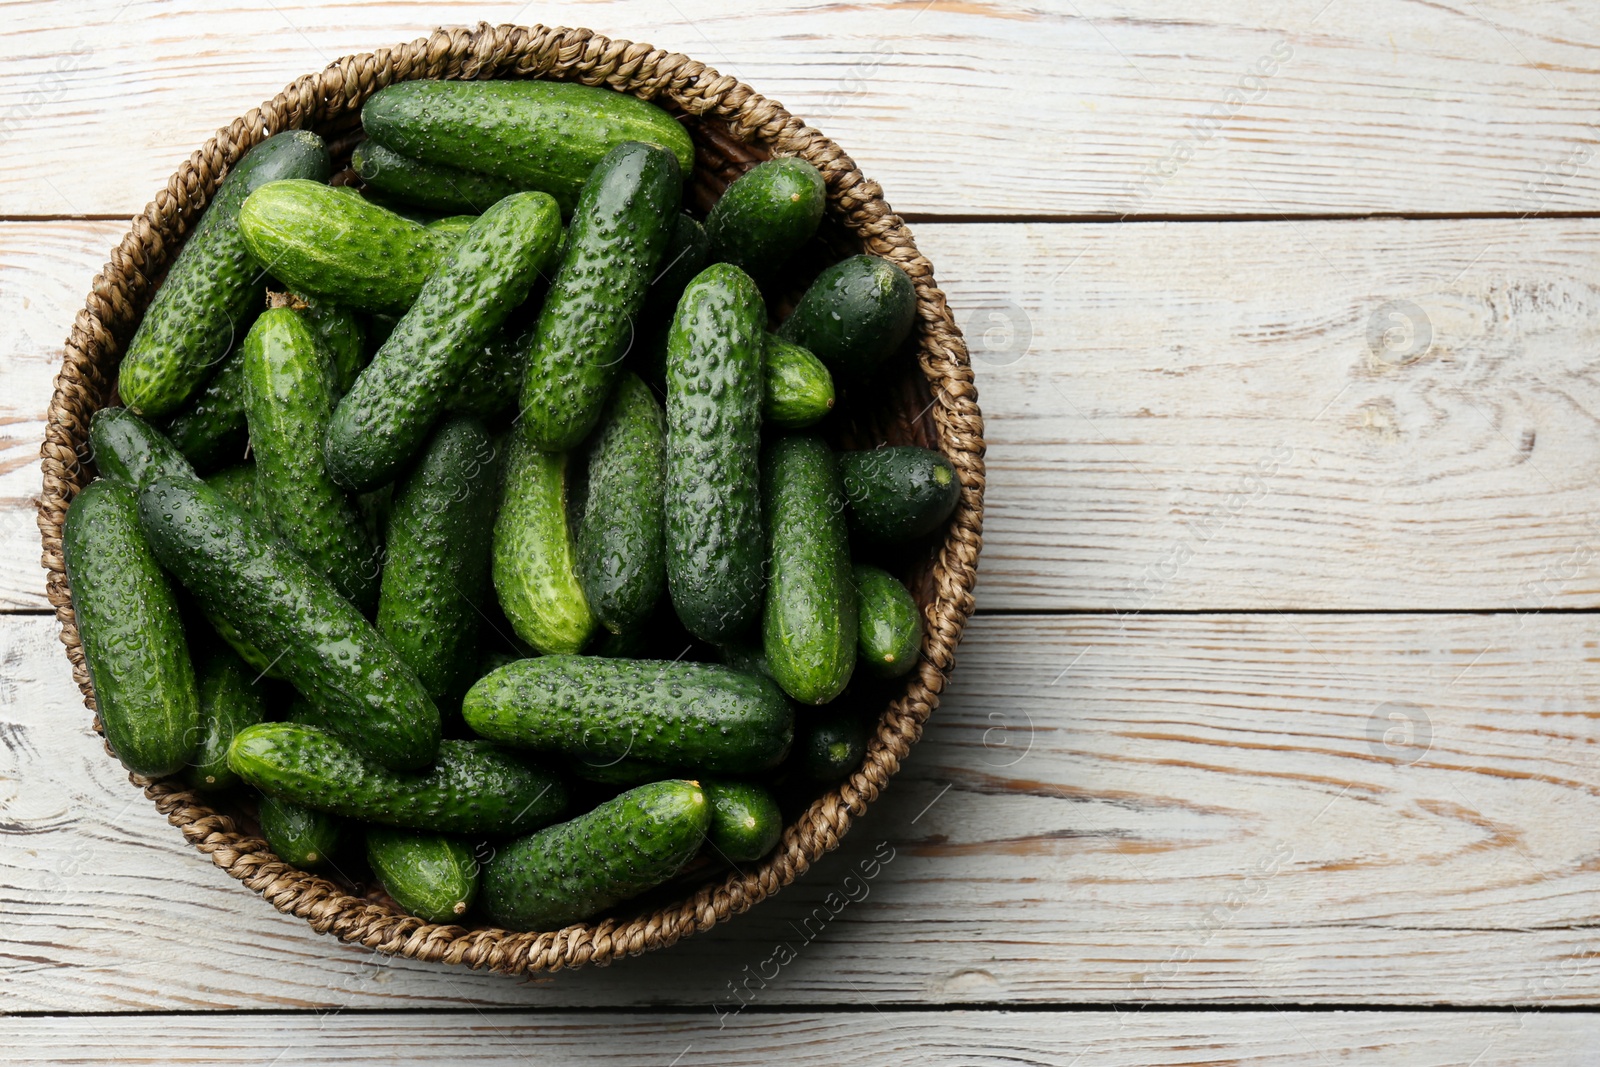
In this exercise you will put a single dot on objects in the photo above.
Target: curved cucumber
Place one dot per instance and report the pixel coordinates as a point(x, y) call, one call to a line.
point(767, 214)
point(899, 493)
point(856, 313)
point(745, 821)
point(131, 451)
point(891, 623)
point(430, 185)
point(432, 877)
point(535, 559)
point(797, 390)
point(230, 700)
point(299, 836)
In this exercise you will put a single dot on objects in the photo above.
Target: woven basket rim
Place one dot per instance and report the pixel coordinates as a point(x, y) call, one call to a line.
point(121, 290)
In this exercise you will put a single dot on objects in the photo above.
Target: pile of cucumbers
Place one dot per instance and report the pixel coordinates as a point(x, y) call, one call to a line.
point(471, 519)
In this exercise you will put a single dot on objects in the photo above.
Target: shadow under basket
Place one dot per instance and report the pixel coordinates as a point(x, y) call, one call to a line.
point(924, 396)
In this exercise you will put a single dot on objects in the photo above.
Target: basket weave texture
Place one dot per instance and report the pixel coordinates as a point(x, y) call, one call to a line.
point(935, 404)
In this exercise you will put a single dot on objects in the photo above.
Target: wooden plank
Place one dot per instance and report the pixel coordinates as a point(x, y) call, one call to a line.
point(1243, 808)
point(1104, 108)
point(967, 1038)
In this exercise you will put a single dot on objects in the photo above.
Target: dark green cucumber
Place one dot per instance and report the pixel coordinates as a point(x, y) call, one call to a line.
point(626, 772)
point(316, 639)
point(615, 245)
point(715, 558)
point(299, 836)
point(534, 556)
point(492, 381)
point(326, 242)
point(430, 185)
point(677, 714)
point(766, 215)
point(436, 566)
point(890, 621)
point(230, 700)
point(830, 745)
point(899, 493)
point(745, 821)
point(809, 628)
point(543, 135)
point(133, 640)
point(214, 286)
point(289, 382)
point(432, 877)
point(855, 314)
point(343, 334)
point(238, 484)
point(622, 535)
point(131, 451)
point(386, 417)
point(797, 390)
point(472, 788)
point(752, 659)
point(573, 870)
point(687, 254)
point(210, 429)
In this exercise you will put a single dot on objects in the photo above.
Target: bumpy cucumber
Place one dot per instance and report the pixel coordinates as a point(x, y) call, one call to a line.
point(472, 788)
point(626, 772)
point(615, 244)
point(230, 700)
point(891, 623)
point(131, 451)
point(210, 429)
point(534, 557)
point(432, 877)
point(343, 334)
point(809, 628)
point(491, 383)
point(133, 640)
point(830, 745)
point(715, 564)
point(436, 568)
point(745, 821)
point(672, 713)
point(797, 390)
point(900, 493)
point(687, 254)
point(238, 484)
point(385, 418)
point(569, 872)
point(278, 602)
point(857, 312)
point(299, 836)
point(214, 286)
point(543, 135)
point(766, 215)
point(429, 185)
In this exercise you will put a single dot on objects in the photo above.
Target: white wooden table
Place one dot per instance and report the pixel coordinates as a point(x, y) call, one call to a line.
point(1275, 738)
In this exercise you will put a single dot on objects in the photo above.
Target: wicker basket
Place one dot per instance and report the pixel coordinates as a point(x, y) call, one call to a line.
point(929, 400)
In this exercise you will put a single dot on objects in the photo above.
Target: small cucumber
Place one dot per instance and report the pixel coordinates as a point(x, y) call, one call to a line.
point(299, 836)
point(230, 700)
point(831, 745)
point(809, 629)
point(856, 313)
point(133, 640)
point(453, 226)
point(677, 714)
point(343, 334)
point(490, 385)
point(210, 429)
point(472, 788)
point(891, 623)
point(715, 565)
point(687, 254)
point(386, 417)
point(899, 493)
point(131, 451)
point(428, 185)
point(534, 557)
point(745, 821)
point(766, 215)
point(615, 244)
point(568, 872)
point(432, 877)
point(797, 390)
point(622, 534)
point(214, 286)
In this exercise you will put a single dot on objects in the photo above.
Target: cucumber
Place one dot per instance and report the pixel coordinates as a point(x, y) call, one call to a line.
point(856, 313)
point(299, 836)
point(715, 567)
point(327, 242)
point(534, 557)
point(343, 335)
point(745, 821)
point(436, 568)
point(626, 772)
point(230, 700)
point(622, 535)
point(453, 226)
point(489, 387)
point(428, 185)
point(809, 629)
point(316, 639)
point(615, 244)
point(543, 135)
point(766, 215)
point(133, 641)
point(570, 871)
point(831, 745)
point(797, 389)
point(472, 788)
point(386, 417)
point(899, 493)
point(432, 877)
point(752, 659)
point(891, 623)
point(238, 484)
point(688, 251)
point(210, 429)
point(131, 451)
point(288, 395)
point(214, 286)
point(677, 714)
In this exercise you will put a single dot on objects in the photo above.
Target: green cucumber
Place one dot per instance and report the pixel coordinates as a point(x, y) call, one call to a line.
point(809, 628)
point(626, 772)
point(687, 253)
point(428, 185)
point(768, 212)
point(668, 712)
point(343, 334)
point(543, 135)
point(491, 383)
point(622, 534)
point(133, 641)
point(210, 429)
point(573, 870)
point(797, 389)
point(453, 226)
point(745, 821)
point(715, 567)
point(238, 484)
point(752, 659)
point(855, 314)
point(830, 745)
point(472, 788)
point(299, 836)
point(131, 451)
point(534, 557)
point(214, 286)
point(891, 623)
point(230, 700)
point(432, 877)
point(436, 567)
point(899, 493)
point(387, 415)
point(315, 638)
point(615, 244)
